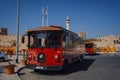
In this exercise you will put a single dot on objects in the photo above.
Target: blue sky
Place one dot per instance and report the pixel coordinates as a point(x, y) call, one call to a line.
point(95, 17)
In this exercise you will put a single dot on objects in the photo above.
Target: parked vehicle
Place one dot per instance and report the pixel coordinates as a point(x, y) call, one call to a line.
point(53, 48)
point(89, 48)
point(3, 57)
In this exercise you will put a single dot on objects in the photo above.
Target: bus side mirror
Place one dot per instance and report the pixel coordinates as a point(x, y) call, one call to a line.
point(23, 39)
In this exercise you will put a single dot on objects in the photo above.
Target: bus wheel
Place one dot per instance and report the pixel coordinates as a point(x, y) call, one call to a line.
point(81, 58)
point(65, 64)
point(35, 70)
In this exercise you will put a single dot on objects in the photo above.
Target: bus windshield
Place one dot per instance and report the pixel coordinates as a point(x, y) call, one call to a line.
point(54, 39)
point(88, 45)
point(41, 40)
point(37, 40)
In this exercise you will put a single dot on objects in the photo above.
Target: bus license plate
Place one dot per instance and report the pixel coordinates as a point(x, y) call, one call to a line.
point(39, 67)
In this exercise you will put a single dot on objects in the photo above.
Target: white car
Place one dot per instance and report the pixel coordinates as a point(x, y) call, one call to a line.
point(3, 56)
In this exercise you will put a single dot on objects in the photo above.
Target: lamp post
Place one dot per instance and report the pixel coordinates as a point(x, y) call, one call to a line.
point(17, 29)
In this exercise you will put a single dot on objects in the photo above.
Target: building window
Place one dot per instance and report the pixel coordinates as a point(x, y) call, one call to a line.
point(116, 41)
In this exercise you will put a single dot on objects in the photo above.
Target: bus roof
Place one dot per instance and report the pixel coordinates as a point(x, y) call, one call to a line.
point(88, 42)
point(46, 28)
point(53, 28)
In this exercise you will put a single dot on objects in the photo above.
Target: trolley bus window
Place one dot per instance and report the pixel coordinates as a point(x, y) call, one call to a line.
point(32, 40)
point(88, 45)
point(37, 40)
point(41, 38)
point(54, 39)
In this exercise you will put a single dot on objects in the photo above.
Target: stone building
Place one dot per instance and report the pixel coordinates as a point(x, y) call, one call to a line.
point(82, 35)
point(108, 41)
point(10, 41)
point(3, 31)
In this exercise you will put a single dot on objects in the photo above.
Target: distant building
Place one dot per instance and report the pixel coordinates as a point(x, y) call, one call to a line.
point(82, 35)
point(3, 31)
point(108, 41)
point(7, 40)
point(10, 40)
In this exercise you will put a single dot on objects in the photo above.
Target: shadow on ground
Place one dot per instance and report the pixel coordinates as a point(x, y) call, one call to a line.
point(94, 54)
point(83, 66)
point(75, 67)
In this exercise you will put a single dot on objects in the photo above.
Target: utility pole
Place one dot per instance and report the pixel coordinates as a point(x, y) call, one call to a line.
point(42, 16)
point(46, 15)
point(17, 29)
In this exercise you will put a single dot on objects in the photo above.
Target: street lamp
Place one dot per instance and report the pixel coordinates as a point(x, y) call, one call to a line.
point(17, 29)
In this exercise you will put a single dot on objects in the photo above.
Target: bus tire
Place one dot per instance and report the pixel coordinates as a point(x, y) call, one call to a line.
point(65, 64)
point(81, 58)
point(35, 70)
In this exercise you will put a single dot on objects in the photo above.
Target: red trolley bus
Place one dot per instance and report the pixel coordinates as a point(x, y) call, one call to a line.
point(53, 47)
point(89, 48)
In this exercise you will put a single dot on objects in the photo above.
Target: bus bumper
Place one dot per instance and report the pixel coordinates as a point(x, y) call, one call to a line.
point(48, 67)
point(35, 67)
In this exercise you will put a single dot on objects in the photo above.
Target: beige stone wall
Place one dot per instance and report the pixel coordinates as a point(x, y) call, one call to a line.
point(108, 41)
point(10, 40)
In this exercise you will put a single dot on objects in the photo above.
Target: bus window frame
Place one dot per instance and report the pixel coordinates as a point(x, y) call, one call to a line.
point(30, 45)
point(35, 42)
point(59, 39)
point(45, 39)
point(89, 45)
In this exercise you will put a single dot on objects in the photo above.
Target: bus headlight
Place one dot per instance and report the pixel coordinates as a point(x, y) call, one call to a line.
point(41, 57)
point(57, 58)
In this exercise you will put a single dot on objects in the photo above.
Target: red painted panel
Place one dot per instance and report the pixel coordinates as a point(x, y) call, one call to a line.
point(89, 50)
point(53, 56)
